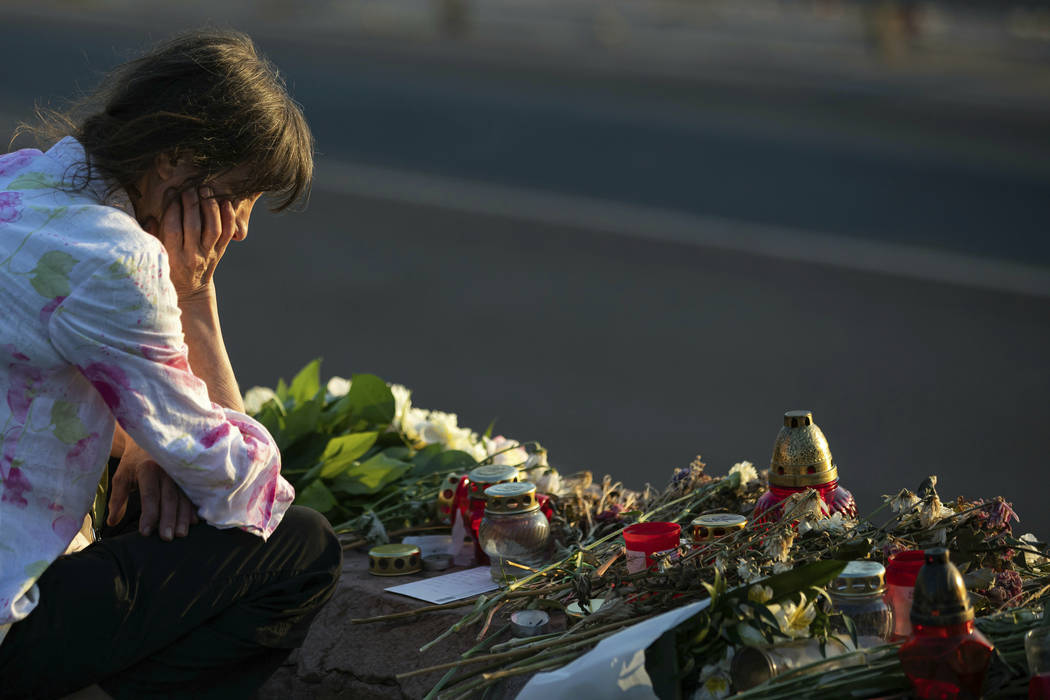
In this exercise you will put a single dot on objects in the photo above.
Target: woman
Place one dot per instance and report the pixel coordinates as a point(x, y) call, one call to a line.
point(110, 345)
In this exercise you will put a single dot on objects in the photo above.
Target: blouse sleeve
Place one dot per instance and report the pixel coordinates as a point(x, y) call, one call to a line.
point(120, 327)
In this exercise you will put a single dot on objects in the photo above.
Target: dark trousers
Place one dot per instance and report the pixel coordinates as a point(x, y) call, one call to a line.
point(209, 615)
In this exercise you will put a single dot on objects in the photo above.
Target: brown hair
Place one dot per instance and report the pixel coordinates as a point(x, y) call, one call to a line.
point(205, 95)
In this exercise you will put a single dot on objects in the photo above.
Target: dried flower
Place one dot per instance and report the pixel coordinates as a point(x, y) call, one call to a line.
point(778, 546)
point(903, 502)
point(747, 570)
point(747, 473)
point(1000, 514)
point(933, 511)
point(804, 504)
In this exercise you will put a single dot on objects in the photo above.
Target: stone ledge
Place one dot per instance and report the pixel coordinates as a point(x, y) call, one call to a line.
point(343, 660)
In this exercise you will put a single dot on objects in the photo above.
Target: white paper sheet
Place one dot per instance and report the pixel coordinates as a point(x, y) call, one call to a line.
point(454, 586)
point(614, 668)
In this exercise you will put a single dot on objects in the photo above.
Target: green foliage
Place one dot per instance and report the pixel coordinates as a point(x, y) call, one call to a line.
point(345, 456)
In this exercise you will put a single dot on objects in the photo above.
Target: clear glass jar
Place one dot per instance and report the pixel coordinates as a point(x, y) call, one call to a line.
point(858, 592)
point(513, 529)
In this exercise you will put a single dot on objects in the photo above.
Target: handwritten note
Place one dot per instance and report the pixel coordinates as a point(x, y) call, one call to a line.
point(450, 587)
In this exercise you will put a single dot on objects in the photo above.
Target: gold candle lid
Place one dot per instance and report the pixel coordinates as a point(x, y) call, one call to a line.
point(446, 498)
point(801, 456)
point(516, 497)
point(715, 525)
point(394, 559)
point(859, 578)
point(488, 474)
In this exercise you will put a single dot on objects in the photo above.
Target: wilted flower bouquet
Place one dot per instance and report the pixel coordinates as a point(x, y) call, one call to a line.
point(358, 451)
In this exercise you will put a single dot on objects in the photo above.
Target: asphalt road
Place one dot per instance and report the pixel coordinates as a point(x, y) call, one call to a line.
point(622, 351)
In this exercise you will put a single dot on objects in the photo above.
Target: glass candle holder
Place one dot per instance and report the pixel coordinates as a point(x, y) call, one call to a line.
point(802, 460)
point(514, 532)
point(1037, 653)
point(945, 656)
point(858, 593)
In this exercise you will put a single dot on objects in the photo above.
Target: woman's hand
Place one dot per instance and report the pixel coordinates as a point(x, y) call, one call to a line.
point(195, 229)
point(165, 508)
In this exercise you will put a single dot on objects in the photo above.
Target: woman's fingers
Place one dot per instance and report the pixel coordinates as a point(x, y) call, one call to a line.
point(170, 229)
point(169, 507)
point(211, 219)
point(229, 227)
point(191, 219)
point(185, 516)
point(149, 498)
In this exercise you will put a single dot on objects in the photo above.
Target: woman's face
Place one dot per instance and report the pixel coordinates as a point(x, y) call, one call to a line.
point(163, 185)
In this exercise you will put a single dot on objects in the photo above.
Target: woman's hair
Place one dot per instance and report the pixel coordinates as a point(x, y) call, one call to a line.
point(207, 96)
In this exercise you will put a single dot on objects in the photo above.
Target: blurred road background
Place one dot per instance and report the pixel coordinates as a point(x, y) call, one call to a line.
point(638, 231)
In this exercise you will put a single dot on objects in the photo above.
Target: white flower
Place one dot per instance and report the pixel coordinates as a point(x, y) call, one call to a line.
point(513, 455)
point(933, 511)
point(255, 397)
point(759, 593)
point(778, 546)
point(413, 424)
point(402, 402)
point(337, 387)
point(714, 678)
point(537, 459)
point(904, 501)
point(794, 619)
point(747, 473)
point(547, 481)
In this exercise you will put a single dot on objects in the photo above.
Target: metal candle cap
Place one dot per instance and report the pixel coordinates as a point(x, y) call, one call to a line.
point(859, 578)
point(715, 525)
point(940, 598)
point(515, 497)
point(393, 559)
point(488, 474)
point(801, 456)
point(528, 623)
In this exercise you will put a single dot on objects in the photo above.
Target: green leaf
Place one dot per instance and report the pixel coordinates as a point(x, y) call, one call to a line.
point(817, 573)
point(282, 391)
point(307, 383)
point(33, 181)
point(301, 421)
point(433, 459)
point(488, 430)
point(342, 451)
point(316, 496)
point(51, 274)
point(271, 415)
point(370, 476)
point(370, 399)
point(66, 423)
point(304, 454)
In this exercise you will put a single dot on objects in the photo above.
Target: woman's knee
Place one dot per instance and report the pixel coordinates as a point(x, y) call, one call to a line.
point(316, 542)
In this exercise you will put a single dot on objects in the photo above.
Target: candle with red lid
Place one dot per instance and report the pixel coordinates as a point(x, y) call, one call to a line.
point(946, 656)
point(802, 460)
point(643, 540)
point(902, 569)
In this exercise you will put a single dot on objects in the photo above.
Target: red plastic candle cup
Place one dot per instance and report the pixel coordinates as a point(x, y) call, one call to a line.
point(902, 569)
point(646, 539)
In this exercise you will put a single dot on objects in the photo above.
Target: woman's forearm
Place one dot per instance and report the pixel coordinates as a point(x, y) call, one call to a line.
point(207, 351)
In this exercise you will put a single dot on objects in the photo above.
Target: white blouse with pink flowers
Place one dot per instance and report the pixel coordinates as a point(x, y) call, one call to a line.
point(90, 333)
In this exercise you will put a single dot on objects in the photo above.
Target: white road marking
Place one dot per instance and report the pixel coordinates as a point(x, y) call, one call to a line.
point(635, 221)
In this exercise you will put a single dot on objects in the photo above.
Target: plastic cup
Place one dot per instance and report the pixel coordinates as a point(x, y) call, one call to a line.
point(902, 569)
point(643, 540)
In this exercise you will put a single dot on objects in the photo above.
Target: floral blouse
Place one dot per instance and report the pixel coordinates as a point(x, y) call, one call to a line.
point(90, 333)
